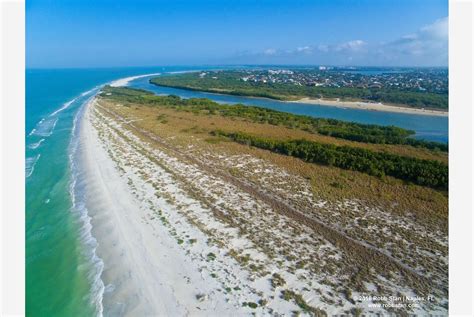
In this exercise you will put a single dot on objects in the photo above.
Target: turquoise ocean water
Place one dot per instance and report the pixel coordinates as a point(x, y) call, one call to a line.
point(62, 271)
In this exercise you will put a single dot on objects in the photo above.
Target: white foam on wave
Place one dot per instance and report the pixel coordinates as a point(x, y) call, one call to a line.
point(70, 102)
point(30, 163)
point(90, 91)
point(64, 107)
point(36, 144)
point(77, 192)
point(45, 127)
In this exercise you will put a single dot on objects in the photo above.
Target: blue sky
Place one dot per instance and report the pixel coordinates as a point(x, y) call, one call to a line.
point(107, 33)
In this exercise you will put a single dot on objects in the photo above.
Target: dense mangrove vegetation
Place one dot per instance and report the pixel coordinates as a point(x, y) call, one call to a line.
point(367, 133)
point(422, 172)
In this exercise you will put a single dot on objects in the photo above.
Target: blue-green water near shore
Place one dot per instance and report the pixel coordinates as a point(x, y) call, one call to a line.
point(62, 271)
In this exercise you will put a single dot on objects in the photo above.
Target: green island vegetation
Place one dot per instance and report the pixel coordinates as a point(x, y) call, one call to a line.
point(229, 82)
point(422, 172)
point(367, 133)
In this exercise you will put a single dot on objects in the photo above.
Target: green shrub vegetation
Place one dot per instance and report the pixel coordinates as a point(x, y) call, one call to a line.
point(367, 133)
point(211, 256)
point(299, 300)
point(277, 280)
point(422, 172)
point(251, 305)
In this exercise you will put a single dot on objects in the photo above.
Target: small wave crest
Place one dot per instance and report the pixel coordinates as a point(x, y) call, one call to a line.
point(64, 107)
point(35, 145)
point(95, 265)
point(30, 163)
point(45, 127)
point(70, 102)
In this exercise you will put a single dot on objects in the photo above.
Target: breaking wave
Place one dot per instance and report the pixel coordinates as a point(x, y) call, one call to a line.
point(79, 208)
point(30, 163)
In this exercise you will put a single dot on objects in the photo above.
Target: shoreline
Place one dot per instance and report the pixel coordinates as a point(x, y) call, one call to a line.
point(127, 246)
point(143, 237)
point(363, 105)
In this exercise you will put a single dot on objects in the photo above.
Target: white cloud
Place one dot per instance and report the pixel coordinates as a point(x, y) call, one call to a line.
point(429, 43)
point(304, 49)
point(270, 51)
point(428, 46)
point(439, 30)
point(351, 46)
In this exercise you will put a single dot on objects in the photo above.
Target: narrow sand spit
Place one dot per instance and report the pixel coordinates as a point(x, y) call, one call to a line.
point(179, 240)
point(124, 81)
point(371, 106)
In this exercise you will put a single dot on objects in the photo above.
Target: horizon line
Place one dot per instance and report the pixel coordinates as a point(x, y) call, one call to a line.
point(234, 65)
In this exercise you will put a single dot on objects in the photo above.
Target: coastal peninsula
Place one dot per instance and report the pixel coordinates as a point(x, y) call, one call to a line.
point(190, 203)
point(413, 91)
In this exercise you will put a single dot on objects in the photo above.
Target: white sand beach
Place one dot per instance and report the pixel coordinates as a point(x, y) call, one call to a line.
point(372, 106)
point(146, 271)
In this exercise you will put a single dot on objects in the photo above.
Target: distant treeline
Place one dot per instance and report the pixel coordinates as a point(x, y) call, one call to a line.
point(367, 133)
point(229, 82)
point(422, 172)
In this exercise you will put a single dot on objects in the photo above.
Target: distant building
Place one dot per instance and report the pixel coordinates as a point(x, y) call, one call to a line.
point(280, 71)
